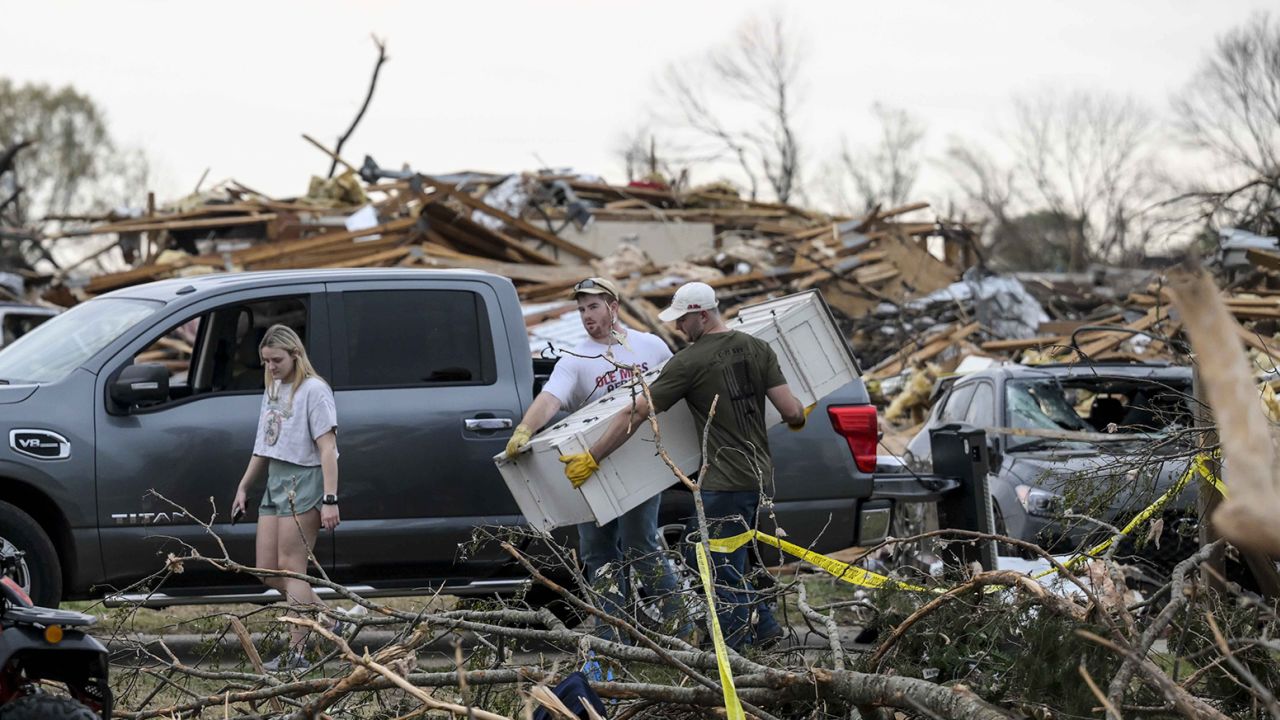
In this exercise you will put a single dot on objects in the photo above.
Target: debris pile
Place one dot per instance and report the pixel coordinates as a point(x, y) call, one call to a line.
point(912, 297)
point(544, 231)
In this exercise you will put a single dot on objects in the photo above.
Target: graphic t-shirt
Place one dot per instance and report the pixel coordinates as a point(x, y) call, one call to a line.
point(585, 374)
point(739, 369)
point(288, 430)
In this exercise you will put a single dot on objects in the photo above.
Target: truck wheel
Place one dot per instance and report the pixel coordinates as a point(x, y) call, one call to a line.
point(42, 706)
point(1006, 549)
point(38, 571)
point(910, 519)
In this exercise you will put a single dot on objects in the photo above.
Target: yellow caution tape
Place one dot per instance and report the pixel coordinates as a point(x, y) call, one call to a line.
point(842, 571)
point(865, 578)
point(1199, 466)
point(732, 707)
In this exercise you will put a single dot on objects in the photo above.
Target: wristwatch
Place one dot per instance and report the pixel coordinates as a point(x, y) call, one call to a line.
point(329, 499)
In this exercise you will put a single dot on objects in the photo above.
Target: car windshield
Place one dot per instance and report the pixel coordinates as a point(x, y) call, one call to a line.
point(1128, 408)
point(55, 348)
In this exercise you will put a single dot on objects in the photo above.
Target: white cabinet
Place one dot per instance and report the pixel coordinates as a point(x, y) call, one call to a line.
point(813, 356)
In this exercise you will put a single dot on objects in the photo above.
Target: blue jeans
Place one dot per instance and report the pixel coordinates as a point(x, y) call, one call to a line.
point(631, 541)
point(733, 513)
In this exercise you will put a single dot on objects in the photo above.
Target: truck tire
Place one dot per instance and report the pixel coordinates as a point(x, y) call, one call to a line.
point(910, 519)
point(43, 706)
point(39, 571)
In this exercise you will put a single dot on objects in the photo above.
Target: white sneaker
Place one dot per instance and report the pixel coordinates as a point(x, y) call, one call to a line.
point(287, 661)
point(345, 624)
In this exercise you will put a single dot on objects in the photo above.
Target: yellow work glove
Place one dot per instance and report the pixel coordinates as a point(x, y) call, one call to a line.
point(518, 440)
point(578, 467)
point(803, 420)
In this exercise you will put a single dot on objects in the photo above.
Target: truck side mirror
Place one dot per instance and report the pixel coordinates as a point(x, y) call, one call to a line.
point(143, 384)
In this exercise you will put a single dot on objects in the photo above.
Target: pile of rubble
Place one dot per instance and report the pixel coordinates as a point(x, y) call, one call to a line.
point(544, 231)
point(911, 296)
point(1035, 318)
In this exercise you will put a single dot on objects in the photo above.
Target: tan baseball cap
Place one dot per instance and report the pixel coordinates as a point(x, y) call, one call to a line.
point(596, 286)
point(690, 297)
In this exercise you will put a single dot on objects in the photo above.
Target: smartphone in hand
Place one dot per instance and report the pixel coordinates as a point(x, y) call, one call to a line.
point(237, 516)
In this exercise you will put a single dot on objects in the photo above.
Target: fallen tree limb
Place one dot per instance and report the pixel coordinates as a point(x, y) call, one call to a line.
point(1054, 603)
point(1247, 516)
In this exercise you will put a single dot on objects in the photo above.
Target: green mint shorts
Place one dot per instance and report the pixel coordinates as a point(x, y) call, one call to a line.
point(291, 489)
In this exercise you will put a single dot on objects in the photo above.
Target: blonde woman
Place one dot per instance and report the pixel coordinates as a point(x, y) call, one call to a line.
point(297, 446)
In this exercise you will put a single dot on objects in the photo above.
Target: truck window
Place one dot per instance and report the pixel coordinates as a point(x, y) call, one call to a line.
point(957, 404)
point(55, 348)
point(217, 351)
point(981, 408)
point(398, 338)
point(173, 351)
point(17, 324)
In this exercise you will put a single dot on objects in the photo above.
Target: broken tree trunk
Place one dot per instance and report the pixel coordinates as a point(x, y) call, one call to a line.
point(1247, 516)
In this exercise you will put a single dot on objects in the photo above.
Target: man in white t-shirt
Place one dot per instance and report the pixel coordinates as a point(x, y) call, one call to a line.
point(606, 361)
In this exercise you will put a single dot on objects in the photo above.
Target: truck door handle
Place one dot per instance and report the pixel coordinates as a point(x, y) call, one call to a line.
point(487, 423)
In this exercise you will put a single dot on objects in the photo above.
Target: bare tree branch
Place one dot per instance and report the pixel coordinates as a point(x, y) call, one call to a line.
point(742, 100)
point(373, 83)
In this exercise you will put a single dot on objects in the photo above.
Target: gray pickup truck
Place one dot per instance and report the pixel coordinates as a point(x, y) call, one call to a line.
point(429, 368)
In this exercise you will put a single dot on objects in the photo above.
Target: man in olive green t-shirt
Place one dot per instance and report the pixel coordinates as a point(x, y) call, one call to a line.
point(741, 371)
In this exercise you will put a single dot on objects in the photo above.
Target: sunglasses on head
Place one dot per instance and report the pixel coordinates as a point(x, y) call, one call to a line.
point(591, 284)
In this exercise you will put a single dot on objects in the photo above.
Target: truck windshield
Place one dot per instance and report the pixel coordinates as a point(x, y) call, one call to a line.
point(52, 350)
point(1128, 408)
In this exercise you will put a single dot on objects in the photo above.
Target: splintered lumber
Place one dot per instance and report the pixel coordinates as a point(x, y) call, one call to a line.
point(540, 317)
point(921, 272)
point(1263, 258)
point(272, 251)
point(151, 224)
point(523, 226)
point(716, 215)
point(876, 273)
point(1252, 340)
point(931, 348)
point(1019, 344)
point(372, 259)
point(147, 273)
point(649, 315)
point(1245, 312)
point(472, 244)
point(560, 275)
point(665, 293)
point(462, 226)
point(894, 212)
point(1063, 327)
point(342, 255)
point(583, 187)
point(1066, 327)
point(243, 258)
point(1109, 340)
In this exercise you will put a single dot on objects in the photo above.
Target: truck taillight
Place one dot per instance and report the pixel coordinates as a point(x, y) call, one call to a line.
point(857, 424)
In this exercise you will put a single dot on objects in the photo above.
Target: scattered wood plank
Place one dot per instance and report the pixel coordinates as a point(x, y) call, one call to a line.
point(523, 226)
point(217, 222)
point(930, 348)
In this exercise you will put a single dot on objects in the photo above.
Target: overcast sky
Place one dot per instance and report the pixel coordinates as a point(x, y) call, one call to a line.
point(506, 86)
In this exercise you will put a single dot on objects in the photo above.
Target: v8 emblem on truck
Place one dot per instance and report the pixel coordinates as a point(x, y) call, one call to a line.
point(40, 444)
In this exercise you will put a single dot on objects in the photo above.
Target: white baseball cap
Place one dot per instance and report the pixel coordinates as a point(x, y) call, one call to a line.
point(690, 297)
